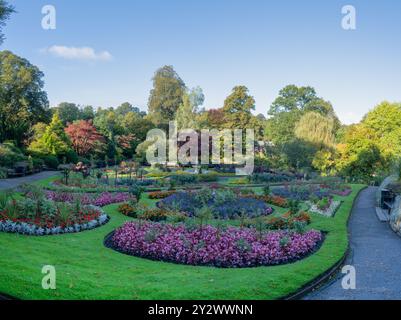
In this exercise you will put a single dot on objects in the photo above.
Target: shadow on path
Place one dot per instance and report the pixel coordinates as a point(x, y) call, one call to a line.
point(375, 254)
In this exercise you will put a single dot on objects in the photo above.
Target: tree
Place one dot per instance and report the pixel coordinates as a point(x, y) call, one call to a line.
point(211, 119)
point(166, 95)
point(23, 102)
point(134, 131)
point(108, 123)
point(197, 98)
point(280, 129)
point(54, 140)
point(298, 154)
point(238, 108)
point(293, 98)
point(68, 112)
point(385, 122)
point(288, 108)
point(5, 12)
point(360, 155)
point(126, 107)
point(84, 137)
point(316, 129)
point(87, 113)
point(325, 162)
point(186, 116)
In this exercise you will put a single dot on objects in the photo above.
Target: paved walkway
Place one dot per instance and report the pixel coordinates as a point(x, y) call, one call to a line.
point(15, 182)
point(375, 254)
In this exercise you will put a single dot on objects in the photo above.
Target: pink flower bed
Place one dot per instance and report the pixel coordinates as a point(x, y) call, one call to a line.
point(209, 246)
point(99, 200)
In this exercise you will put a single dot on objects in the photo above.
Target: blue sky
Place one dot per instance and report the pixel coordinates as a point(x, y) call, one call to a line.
point(215, 44)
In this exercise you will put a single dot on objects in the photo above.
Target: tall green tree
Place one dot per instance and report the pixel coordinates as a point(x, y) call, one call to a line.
point(289, 107)
point(23, 102)
point(360, 155)
point(238, 108)
point(136, 127)
point(68, 112)
point(316, 129)
point(166, 95)
point(186, 115)
point(87, 113)
point(5, 12)
point(127, 107)
point(54, 141)
point(293, 98)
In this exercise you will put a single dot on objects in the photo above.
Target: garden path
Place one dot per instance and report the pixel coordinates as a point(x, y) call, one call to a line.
point(375, 254)
point(15, 182)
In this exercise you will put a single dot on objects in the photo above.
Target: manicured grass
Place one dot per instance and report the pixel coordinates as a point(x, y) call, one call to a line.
point(87, 270)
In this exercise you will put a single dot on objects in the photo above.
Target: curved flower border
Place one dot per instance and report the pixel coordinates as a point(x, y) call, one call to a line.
point(109, 242)
point(33, 230)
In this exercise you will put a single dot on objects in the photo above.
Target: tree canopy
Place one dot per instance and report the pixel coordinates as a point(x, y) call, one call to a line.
point(166, 95)
point(238, 107)
point(5, 12)
point(23, 102)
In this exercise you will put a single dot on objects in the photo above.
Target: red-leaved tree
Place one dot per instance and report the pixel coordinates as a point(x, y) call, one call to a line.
point(84, 136)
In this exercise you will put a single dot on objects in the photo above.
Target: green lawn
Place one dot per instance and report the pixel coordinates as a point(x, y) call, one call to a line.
point(87, 270)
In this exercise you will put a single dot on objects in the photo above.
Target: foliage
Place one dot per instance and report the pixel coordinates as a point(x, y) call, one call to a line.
point(67, 112)
point(9, 155)
point(181, 179)
point(54, 141)
point(38, 216)
point(224, 204)
point(5, 12)
point(23, 102)
point(166, 95)
point(127, 209)
point(360, 156)
point(289, 221)
point(186, 114)
point(84, 137)
point(211, 246)
point(300, 192)
point(136, 191)
point(316, 129)
point(269, 178)
point(154, 214)
point(99, 200)
point(160, 194)
point(237, 109)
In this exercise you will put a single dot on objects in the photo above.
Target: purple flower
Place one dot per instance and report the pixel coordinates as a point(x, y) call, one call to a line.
point(99, 200)
point(210, 246)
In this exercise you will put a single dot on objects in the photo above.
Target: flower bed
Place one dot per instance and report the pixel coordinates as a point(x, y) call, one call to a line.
point(271, 199)
point(99, 200)
point(288, 221)
point(50, 220)
point(210, 246)
point(300, 193)
point(224, 204)
point(160, 194)
point(328, 211)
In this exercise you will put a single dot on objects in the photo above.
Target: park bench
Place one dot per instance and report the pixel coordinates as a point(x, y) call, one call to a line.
point(20, 169)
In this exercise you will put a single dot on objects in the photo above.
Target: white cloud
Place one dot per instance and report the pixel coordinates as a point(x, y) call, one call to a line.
point(79, 53)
